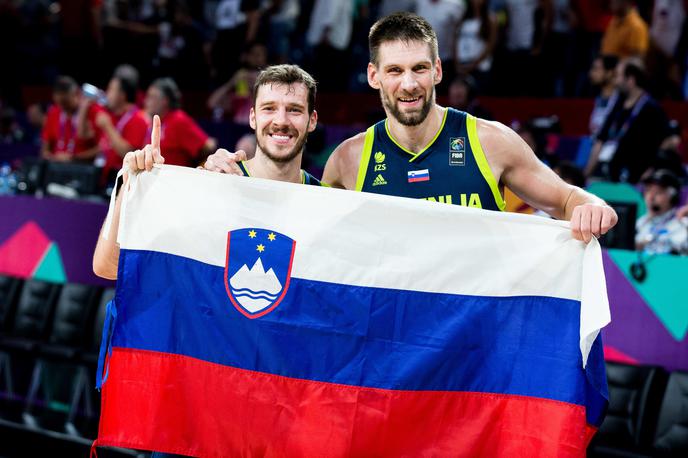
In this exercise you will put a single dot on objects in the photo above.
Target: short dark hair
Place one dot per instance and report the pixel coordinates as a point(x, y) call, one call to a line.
point(609, 62)
point(64, 84)
point(288, 75)
point(170, 90)
point(635, 69)
point(128, 86)
point(401, 26)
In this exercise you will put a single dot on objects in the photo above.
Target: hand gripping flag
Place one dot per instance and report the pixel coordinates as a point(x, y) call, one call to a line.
point(259, 318)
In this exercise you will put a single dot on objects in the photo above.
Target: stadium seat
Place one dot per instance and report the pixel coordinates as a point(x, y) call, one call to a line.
point(635, 393)
point(74, 313)
point(671, 437)
point(33, 315)
point(9, 291)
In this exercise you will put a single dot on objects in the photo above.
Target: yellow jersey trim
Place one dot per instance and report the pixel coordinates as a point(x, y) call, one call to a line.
point(245, 168)
point(415, 155)
point(365, 157)
point(481, 160)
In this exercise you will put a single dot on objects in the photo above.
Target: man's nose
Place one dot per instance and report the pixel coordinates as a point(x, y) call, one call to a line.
point(408, 81)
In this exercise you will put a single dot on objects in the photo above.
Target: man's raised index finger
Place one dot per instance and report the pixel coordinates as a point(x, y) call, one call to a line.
point(155, 134)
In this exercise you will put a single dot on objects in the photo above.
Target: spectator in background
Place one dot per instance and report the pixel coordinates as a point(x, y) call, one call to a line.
point(444, 16)
point(282, 16)
point(329, 35)
point(474, 43)
point(660, 230)
point(234, 99)
point(668, 17)
point(124, 126)
point(236, 23)
point(627, 34)
point(627, 144)
point(559, 50)
point(183, 141)
point(462, 96)
point(68, 132)
point(528, 24)
point(602, 79)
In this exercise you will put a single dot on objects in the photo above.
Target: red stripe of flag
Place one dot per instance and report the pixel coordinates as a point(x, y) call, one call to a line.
point(177, 404)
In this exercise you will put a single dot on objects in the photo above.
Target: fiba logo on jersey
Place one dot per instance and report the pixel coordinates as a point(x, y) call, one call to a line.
point(457, 151)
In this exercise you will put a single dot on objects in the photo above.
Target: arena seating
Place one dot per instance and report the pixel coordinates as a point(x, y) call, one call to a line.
point(45, 327)
point(49, 340)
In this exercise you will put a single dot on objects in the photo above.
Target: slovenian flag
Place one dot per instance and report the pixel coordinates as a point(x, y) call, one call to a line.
point(418, 175)
point(260, 318)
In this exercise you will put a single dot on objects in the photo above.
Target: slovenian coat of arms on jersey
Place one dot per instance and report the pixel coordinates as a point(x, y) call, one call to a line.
point(457, 151)
point(257, 269)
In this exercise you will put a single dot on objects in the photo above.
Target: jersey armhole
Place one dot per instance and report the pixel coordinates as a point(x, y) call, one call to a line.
point(481, 160)
point(365, 157)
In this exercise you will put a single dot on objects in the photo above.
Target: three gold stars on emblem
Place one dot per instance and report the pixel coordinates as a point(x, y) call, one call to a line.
point(260, 247)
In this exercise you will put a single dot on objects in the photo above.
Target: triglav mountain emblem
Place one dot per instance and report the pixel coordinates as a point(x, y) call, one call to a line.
point(257, 269)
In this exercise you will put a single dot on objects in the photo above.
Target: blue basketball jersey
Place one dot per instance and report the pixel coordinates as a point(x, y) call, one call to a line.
point(306, 178)
point(451, 169)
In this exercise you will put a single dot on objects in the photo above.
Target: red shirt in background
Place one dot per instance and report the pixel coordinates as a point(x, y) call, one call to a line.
point(133, 126)
point(181, 139)
point(59, 131)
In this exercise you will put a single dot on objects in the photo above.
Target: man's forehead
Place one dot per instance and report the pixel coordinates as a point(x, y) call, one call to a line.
point(404, 51)
point(294, 92)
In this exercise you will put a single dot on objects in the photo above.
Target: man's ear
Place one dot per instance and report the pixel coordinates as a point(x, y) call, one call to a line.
point(313, 121)
point(372, 76)
point(252, 118)
point(438, 71)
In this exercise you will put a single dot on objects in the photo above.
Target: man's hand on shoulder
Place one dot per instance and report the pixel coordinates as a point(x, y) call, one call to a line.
point(592, 219)
point(223, 161)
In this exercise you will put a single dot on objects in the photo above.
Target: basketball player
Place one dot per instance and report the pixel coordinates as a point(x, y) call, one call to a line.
point(282, 115)
point(423, 150)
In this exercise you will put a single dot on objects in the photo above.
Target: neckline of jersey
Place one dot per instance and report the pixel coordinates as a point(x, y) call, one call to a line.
point(432, 141)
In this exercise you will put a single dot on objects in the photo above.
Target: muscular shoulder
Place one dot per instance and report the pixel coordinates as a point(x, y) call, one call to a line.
point(502, 146)
point(341, 169)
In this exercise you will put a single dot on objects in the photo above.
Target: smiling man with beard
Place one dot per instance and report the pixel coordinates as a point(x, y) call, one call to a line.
point(283, 114)
point(423, 150)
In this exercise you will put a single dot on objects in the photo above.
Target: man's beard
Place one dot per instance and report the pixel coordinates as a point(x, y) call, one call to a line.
point(408, 119)
point(298, 147)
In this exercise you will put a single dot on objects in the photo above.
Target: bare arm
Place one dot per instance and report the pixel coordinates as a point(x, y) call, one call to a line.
point(518, 168)
point(106, 254)
point(341, 169)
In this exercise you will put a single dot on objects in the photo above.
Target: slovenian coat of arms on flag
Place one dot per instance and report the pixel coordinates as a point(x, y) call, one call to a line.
point(258, 269)
point(260, 318)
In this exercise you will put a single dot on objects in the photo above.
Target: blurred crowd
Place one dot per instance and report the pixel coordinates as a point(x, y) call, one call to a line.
point(627, 55)
point(510, 47)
